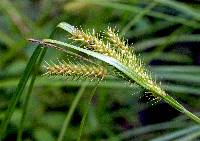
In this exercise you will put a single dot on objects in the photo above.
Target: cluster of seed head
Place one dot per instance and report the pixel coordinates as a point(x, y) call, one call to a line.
point(116, 48)
point(76, 70)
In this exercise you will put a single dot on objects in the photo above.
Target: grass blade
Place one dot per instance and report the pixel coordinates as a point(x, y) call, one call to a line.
point(70, 113)
point(150, 128)
point(140, 46)
point(137, 18)
point(25, 106)
point(176, 134)
point(86, 111)
point(181, 7)
point(21, 86)
point(134, 9)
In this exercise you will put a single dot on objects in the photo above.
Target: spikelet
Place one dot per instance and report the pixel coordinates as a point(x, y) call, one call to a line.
point(76, 70)
point(65, 69)
point(93, 43)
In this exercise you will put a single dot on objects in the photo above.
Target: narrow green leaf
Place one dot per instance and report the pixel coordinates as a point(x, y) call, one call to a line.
point(71, 111)
point(181, 7)
point(176, 69)
point(174, 135)
point(35, 59)
point(20, 88)
point(145, 44)
point(150, 128)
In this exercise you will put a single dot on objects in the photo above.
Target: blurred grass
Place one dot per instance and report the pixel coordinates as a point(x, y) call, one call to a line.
point(149, 28)
point(19, 91)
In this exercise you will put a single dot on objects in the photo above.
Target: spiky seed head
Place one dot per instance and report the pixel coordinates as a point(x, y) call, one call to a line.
point(93, 43)
point(76, 70)
point(114, 38)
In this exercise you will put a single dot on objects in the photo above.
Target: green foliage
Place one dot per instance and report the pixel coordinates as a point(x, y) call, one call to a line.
point(163, 32)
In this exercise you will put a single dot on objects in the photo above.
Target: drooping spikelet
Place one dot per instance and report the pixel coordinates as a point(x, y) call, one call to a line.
point(93, 43)
point(130, 59)
point(76, 70)
point(119, 50)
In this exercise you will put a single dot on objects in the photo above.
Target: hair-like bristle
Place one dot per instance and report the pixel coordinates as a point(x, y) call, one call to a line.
point(150, 98)
point(76, 70)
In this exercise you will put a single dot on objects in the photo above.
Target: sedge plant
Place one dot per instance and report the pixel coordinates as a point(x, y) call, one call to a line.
point(115, 52)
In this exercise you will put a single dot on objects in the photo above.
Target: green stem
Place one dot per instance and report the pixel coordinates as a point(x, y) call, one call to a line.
point(85, 113)
point(180, 108)
point(70, 113)
point(24, 110)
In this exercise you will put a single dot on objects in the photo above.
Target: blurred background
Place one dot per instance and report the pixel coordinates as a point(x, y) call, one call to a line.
point(165, 35)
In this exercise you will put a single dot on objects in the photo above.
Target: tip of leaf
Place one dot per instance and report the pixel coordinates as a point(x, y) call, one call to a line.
point(67, 27)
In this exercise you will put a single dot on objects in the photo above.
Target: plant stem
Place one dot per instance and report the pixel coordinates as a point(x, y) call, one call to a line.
point(85, 113)
point(192, 116)
point(71, 111)
point(24, 110)
point(180, 108)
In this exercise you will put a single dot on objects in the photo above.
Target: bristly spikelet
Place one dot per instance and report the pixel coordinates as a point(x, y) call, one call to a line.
point(76, 70)
point(93, 43)
point(119, 50)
